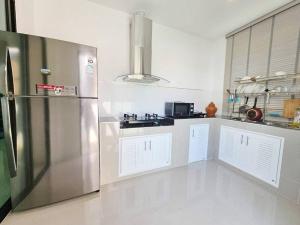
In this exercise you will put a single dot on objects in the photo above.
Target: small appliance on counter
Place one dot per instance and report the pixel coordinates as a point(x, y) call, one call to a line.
point(179, 109)
point(182, 110)
point(148, 120)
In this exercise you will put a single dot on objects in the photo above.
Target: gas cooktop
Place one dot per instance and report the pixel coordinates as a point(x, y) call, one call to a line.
point(147, 120)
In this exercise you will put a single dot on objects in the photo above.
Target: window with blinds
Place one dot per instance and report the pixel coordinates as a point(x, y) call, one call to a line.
point(227, 76)
point(260, 48)
point(263, 49)
point(285, 41)
point(240, 54)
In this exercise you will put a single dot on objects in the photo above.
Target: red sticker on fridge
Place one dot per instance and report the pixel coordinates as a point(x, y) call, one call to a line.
point(56, 90)
point(49, 87)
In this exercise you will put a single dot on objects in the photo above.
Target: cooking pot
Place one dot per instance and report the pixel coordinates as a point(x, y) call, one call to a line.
point(254, 114)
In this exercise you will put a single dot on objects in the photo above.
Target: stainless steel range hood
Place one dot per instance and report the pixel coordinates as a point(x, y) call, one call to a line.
point(141, 52)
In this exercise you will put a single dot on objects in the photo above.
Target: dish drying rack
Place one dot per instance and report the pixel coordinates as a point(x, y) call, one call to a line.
point(270, 100)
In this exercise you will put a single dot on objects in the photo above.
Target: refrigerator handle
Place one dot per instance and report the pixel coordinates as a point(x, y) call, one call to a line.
point(9, 80)
point(8, 108)
point(6, 72)
point(11, 153)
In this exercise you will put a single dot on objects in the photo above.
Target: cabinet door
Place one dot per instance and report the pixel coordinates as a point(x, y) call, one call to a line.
point(230, 143)
point(266, 154)
point(243, 152)
point(131, 155)
point(198, 142)
point(143, 155)
point(285, 41)
point(160, 148)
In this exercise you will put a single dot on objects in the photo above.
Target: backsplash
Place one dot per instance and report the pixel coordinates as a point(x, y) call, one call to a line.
point(117, 99)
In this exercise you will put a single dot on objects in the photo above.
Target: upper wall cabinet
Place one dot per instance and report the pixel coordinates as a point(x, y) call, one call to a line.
point(285, 41)
point(260, 42)
point(240, 54)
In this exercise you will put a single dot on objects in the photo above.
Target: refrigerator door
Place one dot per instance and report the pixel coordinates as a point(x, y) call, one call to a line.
point(49, 67)
point(57, 150)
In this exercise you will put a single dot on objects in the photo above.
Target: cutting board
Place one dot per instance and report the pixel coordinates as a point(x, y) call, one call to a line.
point(289, 108)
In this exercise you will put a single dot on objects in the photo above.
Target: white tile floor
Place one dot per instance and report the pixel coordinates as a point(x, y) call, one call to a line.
point(204, 193)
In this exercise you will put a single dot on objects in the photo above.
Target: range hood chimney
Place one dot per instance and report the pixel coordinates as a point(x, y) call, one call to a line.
point(141, 52)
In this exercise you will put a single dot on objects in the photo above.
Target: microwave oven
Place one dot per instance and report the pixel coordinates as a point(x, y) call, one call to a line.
point(179, 109)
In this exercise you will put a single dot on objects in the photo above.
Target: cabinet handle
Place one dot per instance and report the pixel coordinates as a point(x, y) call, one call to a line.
point(193, 133)
point(242, 139)
point(150, 145)
point(247, 142)
point(145, 145)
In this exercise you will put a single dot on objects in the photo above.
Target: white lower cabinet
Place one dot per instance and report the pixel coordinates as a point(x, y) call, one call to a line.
point(230, 139)
point(198, 143)
point(142, 153)
point(255, 153)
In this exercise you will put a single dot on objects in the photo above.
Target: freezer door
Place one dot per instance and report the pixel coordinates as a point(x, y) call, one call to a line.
point(57, 150)
point(48, 67)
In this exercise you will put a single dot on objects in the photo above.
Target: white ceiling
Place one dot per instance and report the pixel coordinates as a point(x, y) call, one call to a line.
point(206, 18)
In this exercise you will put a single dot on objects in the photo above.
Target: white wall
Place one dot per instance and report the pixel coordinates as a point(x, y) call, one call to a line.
point(2, 15)
point(187, 60)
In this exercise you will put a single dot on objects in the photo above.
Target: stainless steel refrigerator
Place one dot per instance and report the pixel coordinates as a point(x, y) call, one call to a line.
point(49, 106)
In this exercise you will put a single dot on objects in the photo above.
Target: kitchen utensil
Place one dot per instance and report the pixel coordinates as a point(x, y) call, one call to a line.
point(267, 96)
point(254, 114)
point(289, 107)
point(231, 97)
point(244, 108)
